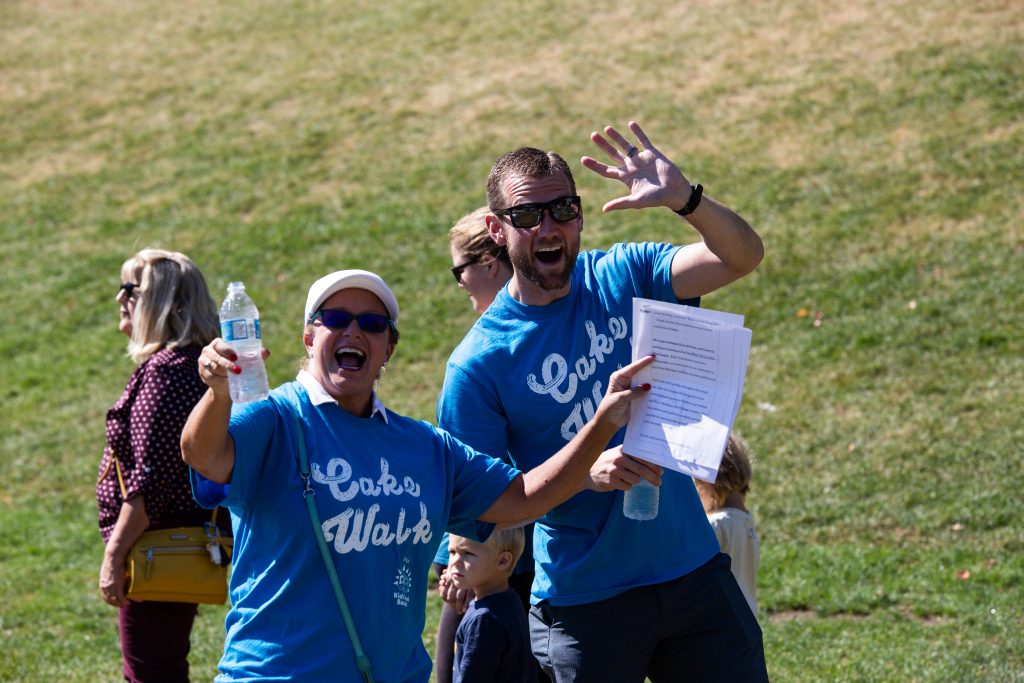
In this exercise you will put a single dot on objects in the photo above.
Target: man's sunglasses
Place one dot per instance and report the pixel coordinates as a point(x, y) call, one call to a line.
point(340, 319)
point(530, 215)
point(457, 270)
point(128, 288)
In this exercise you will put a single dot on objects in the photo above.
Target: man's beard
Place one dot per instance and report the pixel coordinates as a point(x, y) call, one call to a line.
point(522, 261)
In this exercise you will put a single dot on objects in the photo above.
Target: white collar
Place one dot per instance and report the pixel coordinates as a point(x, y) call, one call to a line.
point(318, 395)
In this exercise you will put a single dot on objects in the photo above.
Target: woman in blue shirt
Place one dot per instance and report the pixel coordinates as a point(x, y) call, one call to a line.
point(384, 484)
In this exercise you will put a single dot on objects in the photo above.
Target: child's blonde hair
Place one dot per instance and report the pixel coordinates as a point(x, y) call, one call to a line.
point(513, 540)
point(735, 473)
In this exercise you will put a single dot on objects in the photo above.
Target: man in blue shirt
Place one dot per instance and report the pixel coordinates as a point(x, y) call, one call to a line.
point(613, 598)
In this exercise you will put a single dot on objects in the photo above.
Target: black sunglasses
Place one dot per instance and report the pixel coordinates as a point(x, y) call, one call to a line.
point(457, 270)
point(530, 215)
point(340, 319)
point(128, 287)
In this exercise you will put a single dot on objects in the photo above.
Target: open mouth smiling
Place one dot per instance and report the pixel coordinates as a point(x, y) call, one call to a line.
point(349, 358)
point(549, 254)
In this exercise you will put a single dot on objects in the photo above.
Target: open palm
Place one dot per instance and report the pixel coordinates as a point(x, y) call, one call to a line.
point(652, 178)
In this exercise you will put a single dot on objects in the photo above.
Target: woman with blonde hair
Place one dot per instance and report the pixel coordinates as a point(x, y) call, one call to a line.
point(168, 315)
point(480, 266)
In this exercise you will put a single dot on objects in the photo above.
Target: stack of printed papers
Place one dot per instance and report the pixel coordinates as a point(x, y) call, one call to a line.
point(696, 380)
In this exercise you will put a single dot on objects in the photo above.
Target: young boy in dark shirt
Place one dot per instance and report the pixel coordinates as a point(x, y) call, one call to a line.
point(492, 644)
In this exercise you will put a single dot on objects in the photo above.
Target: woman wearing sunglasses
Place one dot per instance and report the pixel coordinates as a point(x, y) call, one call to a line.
point(167, 314)
point(384, 486)
point(481, 267)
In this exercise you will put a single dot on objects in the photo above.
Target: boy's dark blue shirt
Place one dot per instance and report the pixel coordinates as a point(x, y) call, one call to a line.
point(492, 644)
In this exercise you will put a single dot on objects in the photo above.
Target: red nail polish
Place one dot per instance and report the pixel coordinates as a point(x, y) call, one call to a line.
point(645, 387)
point(235, 369)
point(233, 357)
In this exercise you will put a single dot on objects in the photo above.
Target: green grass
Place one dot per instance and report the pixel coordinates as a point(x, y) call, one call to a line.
point(874, 146)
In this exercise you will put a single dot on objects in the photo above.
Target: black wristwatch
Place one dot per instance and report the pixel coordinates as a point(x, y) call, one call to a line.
point(696, 192)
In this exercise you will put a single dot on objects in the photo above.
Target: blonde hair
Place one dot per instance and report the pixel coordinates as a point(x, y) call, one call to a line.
point(735, 473)
point(513, 540)
point(174, 308)
point(469, 235)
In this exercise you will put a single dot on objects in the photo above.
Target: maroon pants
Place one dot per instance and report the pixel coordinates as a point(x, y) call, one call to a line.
point(154, 641)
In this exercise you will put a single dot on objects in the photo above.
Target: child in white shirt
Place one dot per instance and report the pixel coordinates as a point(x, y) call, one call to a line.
point(724, 503)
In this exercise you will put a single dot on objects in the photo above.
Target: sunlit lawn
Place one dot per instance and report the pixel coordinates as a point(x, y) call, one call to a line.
point(875, 147)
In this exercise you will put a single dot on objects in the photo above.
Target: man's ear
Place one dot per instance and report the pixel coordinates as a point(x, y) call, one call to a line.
point(495, 229)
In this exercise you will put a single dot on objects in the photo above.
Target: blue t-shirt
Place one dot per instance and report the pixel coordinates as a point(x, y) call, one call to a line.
point(492, 642)
point(385, 490)
point(523, 382)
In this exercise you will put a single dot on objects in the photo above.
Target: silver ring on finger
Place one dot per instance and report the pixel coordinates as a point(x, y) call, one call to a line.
point(631, 152)
point(207, 364)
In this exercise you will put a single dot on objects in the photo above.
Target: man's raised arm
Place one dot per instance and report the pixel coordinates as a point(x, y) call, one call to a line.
point(729, 248)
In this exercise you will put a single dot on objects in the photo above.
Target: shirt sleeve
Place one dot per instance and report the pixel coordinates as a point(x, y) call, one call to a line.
point(441, 556)
point(470, 412)
point(208, 494)
point(480, 643)
point(478, 481)
point(158, 415)
point(252, 429)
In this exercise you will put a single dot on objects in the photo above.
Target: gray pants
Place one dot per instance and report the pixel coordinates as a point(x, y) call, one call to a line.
point(695, 628)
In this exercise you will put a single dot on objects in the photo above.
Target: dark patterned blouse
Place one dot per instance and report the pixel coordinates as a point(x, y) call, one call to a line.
point(144, 429)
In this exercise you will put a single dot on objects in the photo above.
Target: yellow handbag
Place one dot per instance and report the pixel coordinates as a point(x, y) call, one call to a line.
point(186, 564)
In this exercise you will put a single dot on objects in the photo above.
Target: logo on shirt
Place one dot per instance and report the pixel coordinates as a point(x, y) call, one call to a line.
point(562, 383)
point(403, 584)
point(356, 528)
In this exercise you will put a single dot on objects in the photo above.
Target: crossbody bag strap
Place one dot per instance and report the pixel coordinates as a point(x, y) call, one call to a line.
point(120, 477)
point(124, 490)
point(362, 661)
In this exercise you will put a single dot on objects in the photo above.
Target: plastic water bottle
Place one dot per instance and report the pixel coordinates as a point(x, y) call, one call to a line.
point(240, 328)
point(641, 501)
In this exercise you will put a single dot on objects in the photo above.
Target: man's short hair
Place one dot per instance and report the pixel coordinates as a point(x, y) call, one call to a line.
point(526, 162)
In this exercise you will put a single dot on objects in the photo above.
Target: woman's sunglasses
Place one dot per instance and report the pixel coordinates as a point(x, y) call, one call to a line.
point(530, 215)
point(457, 270)
point(128, 288)
point(340, 319)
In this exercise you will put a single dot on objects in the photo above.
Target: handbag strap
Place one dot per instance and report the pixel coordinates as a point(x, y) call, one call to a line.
point(362, 661)
point(124, 490)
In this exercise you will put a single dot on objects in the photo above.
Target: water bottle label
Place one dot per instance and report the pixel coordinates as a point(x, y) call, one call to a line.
point(239, 330)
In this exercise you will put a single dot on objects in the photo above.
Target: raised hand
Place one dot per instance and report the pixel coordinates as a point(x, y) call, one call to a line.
point(652, 178)
point(216, 361)
point(457, 598)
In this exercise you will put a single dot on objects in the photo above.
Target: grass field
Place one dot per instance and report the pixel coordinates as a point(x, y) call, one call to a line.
point(876, 147)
